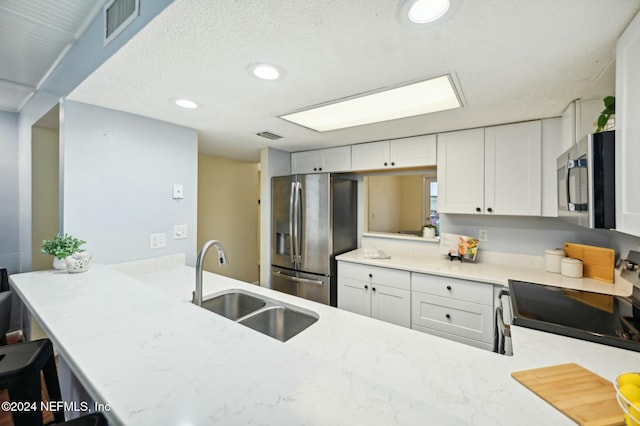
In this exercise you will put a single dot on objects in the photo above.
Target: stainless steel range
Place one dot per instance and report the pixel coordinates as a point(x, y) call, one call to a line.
point(600, 318)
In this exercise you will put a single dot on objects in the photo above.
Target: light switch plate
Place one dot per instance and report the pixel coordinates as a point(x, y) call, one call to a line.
point(157, 241)
point(483, 235)
point(179, 232)
point(178, 191)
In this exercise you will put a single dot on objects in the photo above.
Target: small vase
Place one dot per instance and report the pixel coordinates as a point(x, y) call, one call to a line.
point(59, 263)
point(428, 232)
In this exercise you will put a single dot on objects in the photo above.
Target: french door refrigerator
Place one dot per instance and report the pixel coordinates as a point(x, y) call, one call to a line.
point(314, 219)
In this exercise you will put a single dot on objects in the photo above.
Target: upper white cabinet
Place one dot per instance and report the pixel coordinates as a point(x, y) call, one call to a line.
point(496, 170)
point(579, 119)
point(628, 130)
point(322, 160)
point(416, 151)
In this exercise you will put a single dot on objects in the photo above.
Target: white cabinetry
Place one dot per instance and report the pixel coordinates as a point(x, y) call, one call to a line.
point(322, 160)
point(579, 119)
point(416, 151)
point(380, 293)
point(496, 170)
point(456, 309)
point(628, 130)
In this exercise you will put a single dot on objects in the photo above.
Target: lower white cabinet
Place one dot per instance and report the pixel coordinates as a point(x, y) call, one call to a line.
point(456, 309)
point(380, 293)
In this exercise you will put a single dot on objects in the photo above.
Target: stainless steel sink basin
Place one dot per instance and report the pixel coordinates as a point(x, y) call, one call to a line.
point(234, 305)
point(279, 322)
point(267, 316)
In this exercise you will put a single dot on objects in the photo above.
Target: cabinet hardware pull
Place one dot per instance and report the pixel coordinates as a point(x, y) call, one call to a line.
point(373, 288)
point(370, 275)
point(385, 164)
point(448, 316)
point(478, 209)
point(489, 209)
point(314, 169)
point(449, 287)
point(366, 287)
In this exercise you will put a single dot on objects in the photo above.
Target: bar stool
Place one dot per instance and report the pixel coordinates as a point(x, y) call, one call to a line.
point(20, 367)
point(93, 419)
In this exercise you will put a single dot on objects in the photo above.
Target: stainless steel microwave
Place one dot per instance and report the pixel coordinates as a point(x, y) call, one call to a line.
point(586, 182)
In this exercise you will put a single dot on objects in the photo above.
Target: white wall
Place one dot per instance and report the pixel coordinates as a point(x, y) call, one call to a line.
point(81, 60)
point(532, 235)
point(118, 176)
point(9, 205)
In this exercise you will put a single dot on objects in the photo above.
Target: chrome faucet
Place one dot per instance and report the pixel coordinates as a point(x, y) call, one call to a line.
point(222, 260)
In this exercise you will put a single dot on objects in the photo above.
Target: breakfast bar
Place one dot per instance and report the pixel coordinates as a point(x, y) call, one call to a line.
point(133, 340)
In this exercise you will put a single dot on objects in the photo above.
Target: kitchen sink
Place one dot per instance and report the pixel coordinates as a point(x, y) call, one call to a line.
point(267, 316)
point(279, 322)
point(234, 305)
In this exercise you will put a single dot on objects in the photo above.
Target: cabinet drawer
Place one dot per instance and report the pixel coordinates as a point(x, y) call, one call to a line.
point(465, 319)
point(469, 291)
point(375, 275)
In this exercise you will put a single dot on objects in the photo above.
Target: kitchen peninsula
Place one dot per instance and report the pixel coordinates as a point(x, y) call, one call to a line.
point(133, 340)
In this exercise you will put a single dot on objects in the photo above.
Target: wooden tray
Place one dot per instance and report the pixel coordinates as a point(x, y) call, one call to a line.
point(597, 262)
point(580, 394)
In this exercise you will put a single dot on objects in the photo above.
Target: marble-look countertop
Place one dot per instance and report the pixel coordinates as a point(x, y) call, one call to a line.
point(135, 342)
point(497, 269)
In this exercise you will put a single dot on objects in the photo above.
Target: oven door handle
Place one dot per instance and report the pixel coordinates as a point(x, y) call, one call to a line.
point(503, 328)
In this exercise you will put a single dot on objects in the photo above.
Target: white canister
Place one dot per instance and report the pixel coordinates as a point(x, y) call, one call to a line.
point(552, 258)
point(571, 267)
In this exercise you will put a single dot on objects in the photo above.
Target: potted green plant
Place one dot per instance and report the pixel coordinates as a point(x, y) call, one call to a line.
point(61, 247)
point(429, 231)
point(607, 114)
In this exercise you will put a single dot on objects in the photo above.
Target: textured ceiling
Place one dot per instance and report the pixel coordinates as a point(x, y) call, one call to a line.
point(33, 35)
point(514, 60)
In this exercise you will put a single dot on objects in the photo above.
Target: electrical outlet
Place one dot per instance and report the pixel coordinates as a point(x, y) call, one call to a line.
point(157, 241)
point(179, 232)
point(483, 235)
point(178, 191)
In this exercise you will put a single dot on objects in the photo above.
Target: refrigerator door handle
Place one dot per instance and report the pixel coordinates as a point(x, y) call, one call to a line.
point(292, 247)
point(299, 225)
point(297, 279)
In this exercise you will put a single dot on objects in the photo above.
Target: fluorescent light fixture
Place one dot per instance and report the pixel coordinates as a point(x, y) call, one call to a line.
point(265, 71)
point(436, 94)
point(186, 103)
point(425, 11)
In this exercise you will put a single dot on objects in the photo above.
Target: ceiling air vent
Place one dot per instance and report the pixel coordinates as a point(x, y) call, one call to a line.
point(118, 14)
point(269, 135)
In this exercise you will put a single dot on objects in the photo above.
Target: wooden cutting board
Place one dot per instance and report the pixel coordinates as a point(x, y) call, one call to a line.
point(597, 262)
point(580, 394)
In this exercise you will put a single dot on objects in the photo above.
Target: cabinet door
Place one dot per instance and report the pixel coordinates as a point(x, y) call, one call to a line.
point(304, 162)
point(628, 130)
point(512, 169)
point(335, 159)
point(461, 171)
point(370, 156)
point(353, 296)
point(391, 305)
point(413, 152)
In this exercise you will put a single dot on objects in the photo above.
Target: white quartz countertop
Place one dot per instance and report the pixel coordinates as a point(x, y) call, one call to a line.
point(499, 270)
point(136, 343)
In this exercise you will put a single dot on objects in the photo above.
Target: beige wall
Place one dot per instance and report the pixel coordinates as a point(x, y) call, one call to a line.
point(385, 195)
point(45, 184)
point(228, 193)
point(411, 210)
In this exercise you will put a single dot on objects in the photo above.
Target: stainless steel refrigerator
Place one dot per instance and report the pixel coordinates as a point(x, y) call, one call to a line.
point(314, 219)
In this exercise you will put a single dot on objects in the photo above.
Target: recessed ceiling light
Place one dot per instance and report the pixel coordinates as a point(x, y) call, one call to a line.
point(425, 11)
point(265, 71)
point(436, 94)
point(186, 103)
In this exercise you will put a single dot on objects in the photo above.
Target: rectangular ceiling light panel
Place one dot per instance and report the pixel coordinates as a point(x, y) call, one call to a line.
point(437, 94)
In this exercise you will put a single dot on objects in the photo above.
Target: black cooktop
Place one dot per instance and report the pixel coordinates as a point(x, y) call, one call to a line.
point(600, 318)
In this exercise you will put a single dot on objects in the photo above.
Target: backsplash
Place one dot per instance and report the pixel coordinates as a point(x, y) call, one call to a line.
point(533, 235)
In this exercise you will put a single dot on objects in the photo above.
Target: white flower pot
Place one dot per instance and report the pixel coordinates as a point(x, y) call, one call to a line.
point(429, 232)
point(59, 263)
